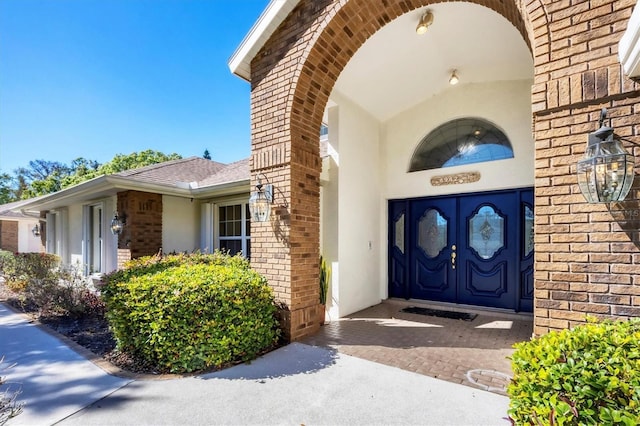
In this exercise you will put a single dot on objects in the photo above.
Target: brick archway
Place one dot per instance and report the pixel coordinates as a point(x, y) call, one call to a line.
point(292, 78)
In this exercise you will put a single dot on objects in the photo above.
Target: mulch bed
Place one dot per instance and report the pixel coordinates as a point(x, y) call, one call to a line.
point(89, 331)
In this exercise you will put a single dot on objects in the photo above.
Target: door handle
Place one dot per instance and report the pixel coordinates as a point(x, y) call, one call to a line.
point(453, 256)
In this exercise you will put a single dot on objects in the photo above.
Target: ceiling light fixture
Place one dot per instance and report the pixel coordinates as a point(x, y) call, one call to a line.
point(425, 21)
point(453, 80)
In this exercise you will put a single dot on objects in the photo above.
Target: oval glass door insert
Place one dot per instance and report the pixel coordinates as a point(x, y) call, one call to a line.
point(486, 232)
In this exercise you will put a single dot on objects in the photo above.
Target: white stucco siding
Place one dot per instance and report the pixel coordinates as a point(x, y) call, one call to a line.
point(358, 209)
point(369, 167)
point(505, 104)
point(180, 224)
point(27, 242)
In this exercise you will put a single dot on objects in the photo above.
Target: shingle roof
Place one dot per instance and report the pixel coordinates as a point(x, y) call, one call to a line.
point(232, 172)
point(174, 172)
point(6, 209)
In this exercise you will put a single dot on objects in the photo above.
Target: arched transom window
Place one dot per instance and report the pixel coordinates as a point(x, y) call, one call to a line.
point(461, 141)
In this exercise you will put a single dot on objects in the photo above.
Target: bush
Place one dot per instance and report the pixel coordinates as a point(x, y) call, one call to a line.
point(5, 257)
point(20, 268)
point(587, 375)
point(184, 313)
point(63, 292)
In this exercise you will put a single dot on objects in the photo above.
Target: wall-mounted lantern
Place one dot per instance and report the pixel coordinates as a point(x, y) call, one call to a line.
point(260, 202)
point(117, 223)
point(605, 175)
point(36, 230)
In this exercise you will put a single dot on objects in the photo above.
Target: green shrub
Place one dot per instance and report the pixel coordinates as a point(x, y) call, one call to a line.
point(5, 257)
point(587, 375)
point(20, 268)
point(184, 313)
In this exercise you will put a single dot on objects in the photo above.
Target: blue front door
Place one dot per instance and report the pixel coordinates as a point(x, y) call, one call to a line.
point(473, 249)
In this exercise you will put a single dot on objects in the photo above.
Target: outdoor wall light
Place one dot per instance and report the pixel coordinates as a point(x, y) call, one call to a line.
point(605, 175)
point(117, 223)
point(425, 21)
point(453, 80)
point(260, 202)
point(36, 230)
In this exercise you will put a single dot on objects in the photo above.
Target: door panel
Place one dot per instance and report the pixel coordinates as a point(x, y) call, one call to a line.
point(432, 232)
point(398, 285)
point(473, 249)
point(488, 250)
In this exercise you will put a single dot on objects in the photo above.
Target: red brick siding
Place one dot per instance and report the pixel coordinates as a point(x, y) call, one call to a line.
point(9, 235)
point(142, 232)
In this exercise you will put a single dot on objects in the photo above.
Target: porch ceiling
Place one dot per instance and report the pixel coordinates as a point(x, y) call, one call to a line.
point(396, 68)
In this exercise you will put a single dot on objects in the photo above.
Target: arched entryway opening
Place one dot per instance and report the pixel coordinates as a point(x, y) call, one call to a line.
point(391, 96)
point(372, 133)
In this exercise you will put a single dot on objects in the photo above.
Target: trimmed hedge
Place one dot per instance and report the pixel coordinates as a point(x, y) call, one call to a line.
point(587, 375)
point(184, 313)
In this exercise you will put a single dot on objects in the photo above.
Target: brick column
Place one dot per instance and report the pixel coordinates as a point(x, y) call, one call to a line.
point(142, 232)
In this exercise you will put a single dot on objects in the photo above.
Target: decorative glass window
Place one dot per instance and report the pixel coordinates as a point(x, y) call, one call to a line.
point(461, 141)
point(432, 233)
point(234, 227)
point(528, 230)
point(486, 232)
point(399, 233)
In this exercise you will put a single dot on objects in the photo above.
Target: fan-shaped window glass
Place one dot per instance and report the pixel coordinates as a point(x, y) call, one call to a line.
point(461, 141)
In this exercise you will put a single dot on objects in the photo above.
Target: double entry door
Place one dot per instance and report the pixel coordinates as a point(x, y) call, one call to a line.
point(474, 249)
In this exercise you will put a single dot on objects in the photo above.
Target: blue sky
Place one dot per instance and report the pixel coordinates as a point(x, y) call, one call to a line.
point(95, 78)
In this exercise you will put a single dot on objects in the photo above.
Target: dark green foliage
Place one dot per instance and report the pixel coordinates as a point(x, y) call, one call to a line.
point(184, 313)
point(587, 375)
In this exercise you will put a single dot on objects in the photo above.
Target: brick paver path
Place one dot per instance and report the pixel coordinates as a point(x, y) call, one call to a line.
point(454, 350)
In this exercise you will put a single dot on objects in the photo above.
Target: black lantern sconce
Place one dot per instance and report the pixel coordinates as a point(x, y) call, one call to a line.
point(605, 175)
point(260, 202)
point(36, 230)
point(117, 223)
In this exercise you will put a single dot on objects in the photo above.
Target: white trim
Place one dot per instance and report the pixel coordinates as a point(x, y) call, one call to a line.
point(273, 15)
point(629, 46)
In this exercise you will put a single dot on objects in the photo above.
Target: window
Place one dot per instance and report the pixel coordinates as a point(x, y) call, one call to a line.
point(234, 229)
point(461, 141)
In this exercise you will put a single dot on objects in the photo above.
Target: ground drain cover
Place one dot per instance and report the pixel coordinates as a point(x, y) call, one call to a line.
point(489, 380)
point(439, 313)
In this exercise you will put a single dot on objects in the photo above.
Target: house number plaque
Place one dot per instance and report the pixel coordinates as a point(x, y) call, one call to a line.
point(455, 179)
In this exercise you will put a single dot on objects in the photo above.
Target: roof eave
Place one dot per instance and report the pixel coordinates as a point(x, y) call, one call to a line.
point(273, 15)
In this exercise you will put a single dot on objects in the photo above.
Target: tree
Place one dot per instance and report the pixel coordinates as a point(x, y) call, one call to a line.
point(7, 190)
point(206, 155)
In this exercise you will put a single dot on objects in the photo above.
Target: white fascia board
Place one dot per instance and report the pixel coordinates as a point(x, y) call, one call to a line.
point(629, 45)
point(221, 189)
point(273, 15)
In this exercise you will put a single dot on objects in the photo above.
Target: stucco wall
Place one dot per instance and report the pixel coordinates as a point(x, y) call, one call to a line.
point(369, 164)
point(180, 224)
point(356, 281)
point(27, 242)
point(505, 104)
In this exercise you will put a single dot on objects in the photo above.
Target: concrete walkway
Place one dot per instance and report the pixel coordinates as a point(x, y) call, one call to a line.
point(297, 384)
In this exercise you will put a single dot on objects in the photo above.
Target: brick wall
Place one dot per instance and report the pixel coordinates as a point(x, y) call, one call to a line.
point(142, 232)
point(585, 254)
point(9, 235)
